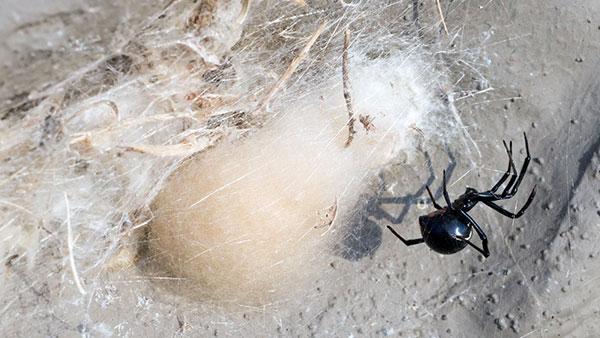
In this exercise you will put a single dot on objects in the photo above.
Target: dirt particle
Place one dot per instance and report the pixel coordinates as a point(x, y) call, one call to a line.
point(514, 325)
point(500, 324)
point(10, 260)
point(51, 130)
point(548, 206)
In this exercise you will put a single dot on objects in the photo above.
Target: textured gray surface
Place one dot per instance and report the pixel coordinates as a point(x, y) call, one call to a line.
point(542, 61)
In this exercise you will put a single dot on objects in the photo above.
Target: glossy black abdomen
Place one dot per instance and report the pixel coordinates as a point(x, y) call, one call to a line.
point(440, 229)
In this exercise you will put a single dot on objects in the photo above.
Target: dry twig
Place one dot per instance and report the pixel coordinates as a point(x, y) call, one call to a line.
point(347, 89)
point(291, 68)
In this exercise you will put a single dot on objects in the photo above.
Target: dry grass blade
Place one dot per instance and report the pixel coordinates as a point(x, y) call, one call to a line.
point(291, 68)
point(70, 247)
point(439, 7)
point(176, 150)
point(244, 11)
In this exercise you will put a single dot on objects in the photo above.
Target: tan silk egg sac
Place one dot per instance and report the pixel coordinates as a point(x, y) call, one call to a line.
point(241, 222)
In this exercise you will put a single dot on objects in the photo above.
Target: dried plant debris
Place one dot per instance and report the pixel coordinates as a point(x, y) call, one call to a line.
point(19, 105)
point(202, 16)
point(347, 88)
point(367, 122)
point(326, 217)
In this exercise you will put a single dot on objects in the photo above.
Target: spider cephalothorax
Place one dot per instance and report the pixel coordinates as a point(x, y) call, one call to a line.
point(448, 229)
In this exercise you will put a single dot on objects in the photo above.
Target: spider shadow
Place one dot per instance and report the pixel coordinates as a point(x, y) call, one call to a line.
point(363, 233)
point(411, 199)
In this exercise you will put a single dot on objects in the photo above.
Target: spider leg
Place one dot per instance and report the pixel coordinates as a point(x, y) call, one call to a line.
point(435, 205)
point(513, 185)
point(484, 241)
point(511, 165)
point(523, 168)
point(508, 213)
point(446, 196)
point(506, 192)
point(474, 246)
point(407, 242)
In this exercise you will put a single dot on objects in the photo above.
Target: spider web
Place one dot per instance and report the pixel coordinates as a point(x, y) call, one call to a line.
point(102, 102)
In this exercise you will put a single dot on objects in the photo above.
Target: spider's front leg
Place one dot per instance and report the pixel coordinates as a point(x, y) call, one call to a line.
point(511, 165)
point(446, 196)
point(523, 169)
point(513, 185)
point(484, 241)
point(435, 205)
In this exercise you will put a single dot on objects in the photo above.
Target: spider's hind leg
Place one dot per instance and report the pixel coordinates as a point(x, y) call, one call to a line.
point(407, 242)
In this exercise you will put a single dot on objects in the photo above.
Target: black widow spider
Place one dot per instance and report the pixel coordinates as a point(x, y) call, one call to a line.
point(448, 229)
